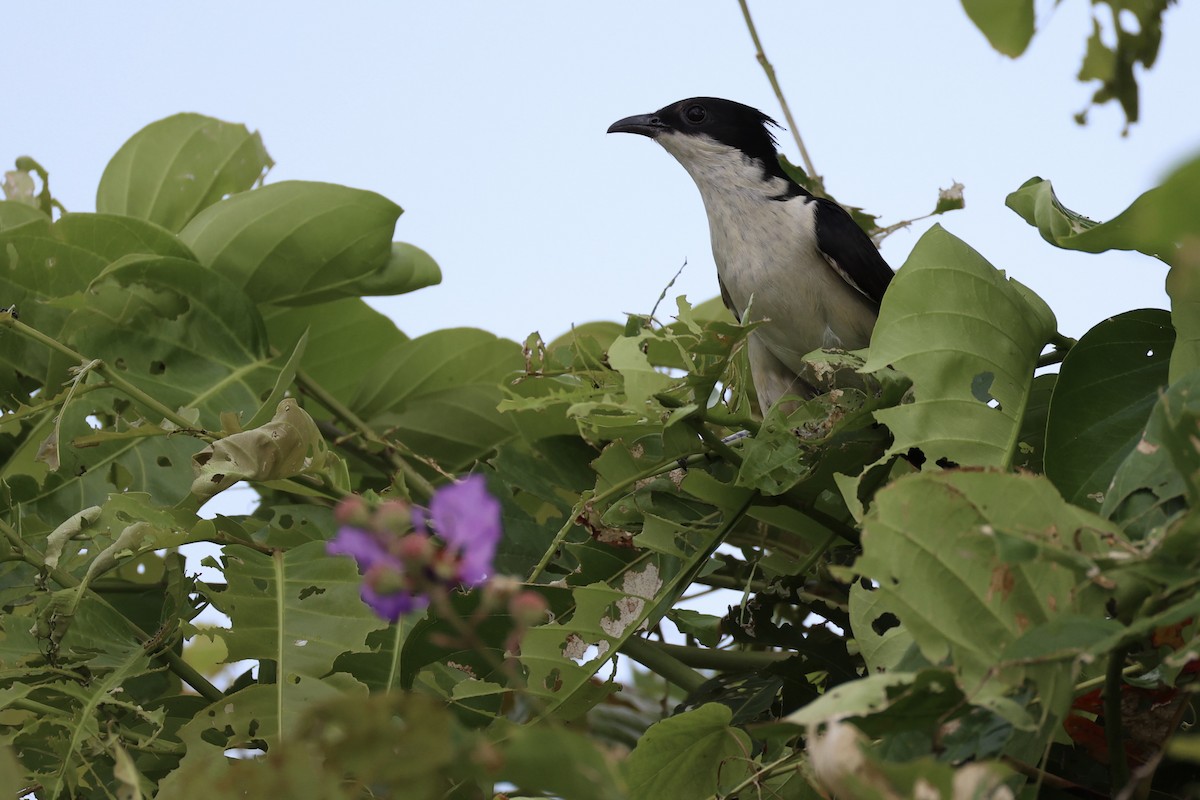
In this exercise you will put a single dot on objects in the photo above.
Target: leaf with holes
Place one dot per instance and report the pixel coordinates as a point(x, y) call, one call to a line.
point(300, 609)
point(969, 339)
point(174, 168)
point(968, 561)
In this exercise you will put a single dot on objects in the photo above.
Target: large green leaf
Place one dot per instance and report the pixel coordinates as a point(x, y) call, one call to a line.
point(1106, 388)
point(174, 168)
point(693, 754)
point(1153, 485)
point(970, 560)
point(111, 236)
point(300, 609)
point(1161, 222)
point(969, 339)
point(186, 336)
point(14, 214)
point(296, 242)
point(1007, 24)
point(36, 266)
point(345, 341)
point(439, 393)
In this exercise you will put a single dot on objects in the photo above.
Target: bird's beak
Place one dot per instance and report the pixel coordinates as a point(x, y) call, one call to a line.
point(644, 124)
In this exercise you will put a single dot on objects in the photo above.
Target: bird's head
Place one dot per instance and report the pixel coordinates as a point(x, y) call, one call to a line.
point(707, 133)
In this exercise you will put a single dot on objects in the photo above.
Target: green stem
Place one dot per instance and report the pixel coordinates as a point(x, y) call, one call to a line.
point(761, 55)
point(25, 704)
point(758, 776)
point(722, 660)
point(1053, 357)
point(186, 672)
point(1118, 766)
point(1062, 342)
point(413, 479)
point(112, 376)
point(662, 664)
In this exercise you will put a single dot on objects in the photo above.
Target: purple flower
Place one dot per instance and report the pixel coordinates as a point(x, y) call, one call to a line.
point(380, 568)
point(467, 518)
point(401, 569)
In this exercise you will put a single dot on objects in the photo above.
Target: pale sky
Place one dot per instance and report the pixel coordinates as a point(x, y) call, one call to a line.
point(487, 120)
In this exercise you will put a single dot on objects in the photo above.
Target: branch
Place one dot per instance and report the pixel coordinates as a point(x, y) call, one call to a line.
point(662, 664)
point(722, 660)
point(761, 55)
point(412, 478)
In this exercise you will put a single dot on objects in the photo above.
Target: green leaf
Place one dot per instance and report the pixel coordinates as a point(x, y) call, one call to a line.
point(440, 391)
point(889, 700)
point(1106, 388)
point(1161, 222)
point(559, 762)
point(1114, 67)
point(187, 337)
point(409, 268)
point(693, 754)
point(882, 640)
point(14, 214)
point(300, 609)
point(297, 242)
point(641, 379)
point(1036, 203)
point(111, 236)
point(706, 628)
point(1031, 444)
point(969, 561)
point(345, 340)
point(37, 266)
point(173, 169)
point(969, 339)
point(1007, 24)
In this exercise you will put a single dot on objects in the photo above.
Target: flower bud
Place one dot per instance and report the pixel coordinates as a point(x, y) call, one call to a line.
point(394, 516)
point(352, 510)
point(528, 608)
point(416, 550)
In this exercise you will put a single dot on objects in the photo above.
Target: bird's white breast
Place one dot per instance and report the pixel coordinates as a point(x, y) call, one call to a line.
point(767, 256)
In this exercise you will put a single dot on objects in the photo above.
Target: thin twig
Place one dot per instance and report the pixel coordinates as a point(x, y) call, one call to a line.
point(761, 55)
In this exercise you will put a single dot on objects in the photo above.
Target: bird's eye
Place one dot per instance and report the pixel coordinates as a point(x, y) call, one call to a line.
point(695, 114)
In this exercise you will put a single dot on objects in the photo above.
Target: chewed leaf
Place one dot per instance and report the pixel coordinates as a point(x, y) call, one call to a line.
point(288, 445)
point(969, 339)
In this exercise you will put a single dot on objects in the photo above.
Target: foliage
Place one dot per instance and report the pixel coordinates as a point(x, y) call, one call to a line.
point(1136, 33)
point(957, 574)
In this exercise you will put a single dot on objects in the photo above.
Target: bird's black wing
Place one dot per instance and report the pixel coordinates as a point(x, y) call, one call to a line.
point(850, 251)
point(728, 301)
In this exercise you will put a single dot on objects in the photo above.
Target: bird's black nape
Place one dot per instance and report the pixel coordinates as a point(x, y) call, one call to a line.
point(729, 122)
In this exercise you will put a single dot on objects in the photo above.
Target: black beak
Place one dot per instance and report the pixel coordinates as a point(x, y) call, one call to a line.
point(643, 124)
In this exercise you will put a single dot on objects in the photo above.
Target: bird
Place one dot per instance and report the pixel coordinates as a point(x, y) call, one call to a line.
point(795, 262)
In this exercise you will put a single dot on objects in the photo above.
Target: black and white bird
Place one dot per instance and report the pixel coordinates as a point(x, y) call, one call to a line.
point(797, 261)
